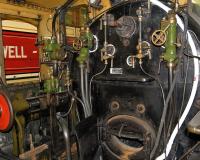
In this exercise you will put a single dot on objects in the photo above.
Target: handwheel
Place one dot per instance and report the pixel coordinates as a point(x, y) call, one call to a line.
point(6, 113)
point(159, 37)
point(77, 44)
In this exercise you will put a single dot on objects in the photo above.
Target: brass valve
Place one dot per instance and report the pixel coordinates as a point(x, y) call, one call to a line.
point(105, 57)
point(159, 37)
point(143, 51)
point(77, 44)
point(108, 52)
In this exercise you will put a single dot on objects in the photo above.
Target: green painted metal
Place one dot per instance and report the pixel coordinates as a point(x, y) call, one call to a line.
point(52, 49)
point(51, 85)
point(83, 56)
point(87, 38)
point(170, 45)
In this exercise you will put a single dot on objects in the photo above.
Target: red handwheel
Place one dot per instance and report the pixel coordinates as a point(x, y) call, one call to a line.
point(6, 113)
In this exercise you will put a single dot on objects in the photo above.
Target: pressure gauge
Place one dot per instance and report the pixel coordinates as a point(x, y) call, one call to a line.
point(111, 50)
point(126, 26)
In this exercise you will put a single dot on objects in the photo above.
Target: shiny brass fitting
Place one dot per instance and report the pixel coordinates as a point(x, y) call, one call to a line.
point(172, 17)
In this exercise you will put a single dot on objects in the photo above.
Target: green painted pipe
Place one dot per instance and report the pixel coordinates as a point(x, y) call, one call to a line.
point(52, 49)
point(89, 37)
point(170, 45)
point(83, 56)
point(51, 85)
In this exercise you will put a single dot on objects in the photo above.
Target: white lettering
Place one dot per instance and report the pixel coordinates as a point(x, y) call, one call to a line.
point(5, 51)
point(22, 52)
point(16, 53)
point(11, 51)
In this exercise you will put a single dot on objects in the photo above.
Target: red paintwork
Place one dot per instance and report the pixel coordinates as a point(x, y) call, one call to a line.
point(19, 52)
point(70, 40)
point(5, 115)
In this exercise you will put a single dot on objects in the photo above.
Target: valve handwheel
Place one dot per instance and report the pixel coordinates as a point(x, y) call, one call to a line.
point(77, 44)
point(159, 37)
point(6, 113)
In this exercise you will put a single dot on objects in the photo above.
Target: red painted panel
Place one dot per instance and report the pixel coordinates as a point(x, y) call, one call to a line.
point(70, 40)
point(20, 53)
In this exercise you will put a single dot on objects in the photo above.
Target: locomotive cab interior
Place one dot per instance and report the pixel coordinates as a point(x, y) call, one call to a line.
point(99, 80)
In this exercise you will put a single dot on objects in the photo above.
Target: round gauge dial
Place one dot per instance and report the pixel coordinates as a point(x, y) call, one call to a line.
point(110, 49)
point(126, 26)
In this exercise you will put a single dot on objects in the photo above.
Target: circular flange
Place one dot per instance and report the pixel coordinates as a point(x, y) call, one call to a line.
point(159, 37)
point(6, 113)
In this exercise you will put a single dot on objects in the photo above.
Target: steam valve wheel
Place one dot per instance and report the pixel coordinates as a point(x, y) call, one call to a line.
point(6, 113)
point(159, 37)
point(77, 44)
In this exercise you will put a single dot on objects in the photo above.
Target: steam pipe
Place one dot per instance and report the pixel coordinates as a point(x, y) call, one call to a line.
point(170, 72)
point(65, 6)
point(140, 25)
point(66, 134)
point(105, 29)
point(82, 87)
point(83, 95)
point(90, 85)
point(194, 87)
point(86, 91)
point(149, 6)
point(78, 99)
point(172, 107)
point(62, 26)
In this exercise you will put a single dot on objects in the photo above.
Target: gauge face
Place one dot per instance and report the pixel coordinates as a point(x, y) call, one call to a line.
point(126, 26)
point(110, 49)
